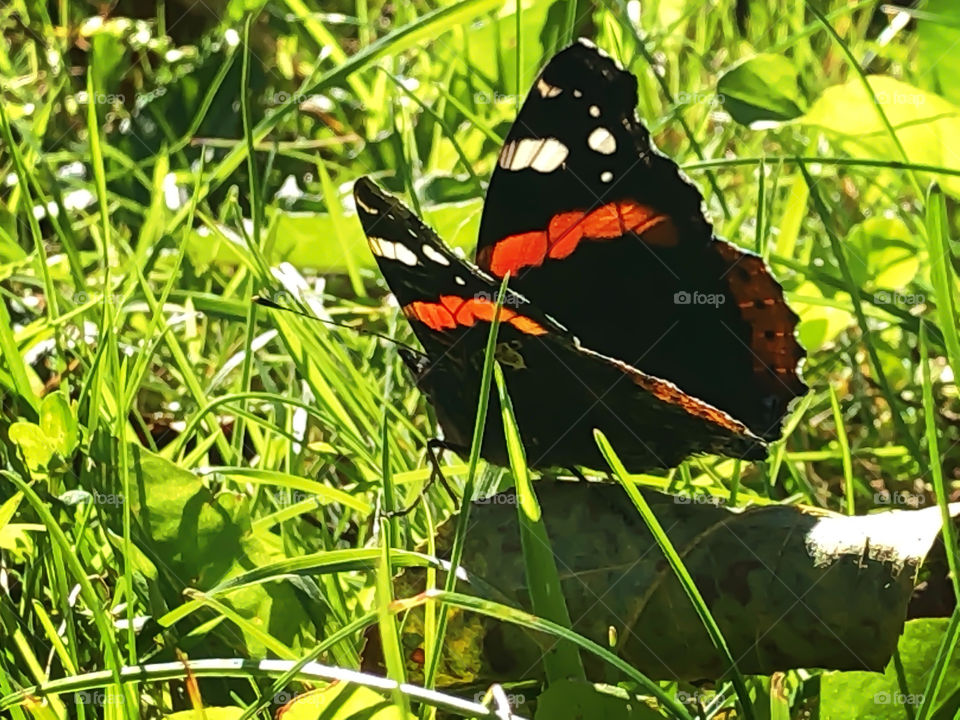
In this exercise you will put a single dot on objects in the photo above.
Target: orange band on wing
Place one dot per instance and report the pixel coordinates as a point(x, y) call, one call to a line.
point(453, 311)
point(565, 231)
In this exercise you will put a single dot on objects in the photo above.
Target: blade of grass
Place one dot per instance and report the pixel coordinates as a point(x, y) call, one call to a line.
point(561, 661)
point(432, 661)
point(387, 621)
point(941, 666)
point(936, 466)
point(941, 272)
point(680, 570)
point(844, 443)
point(111, 650)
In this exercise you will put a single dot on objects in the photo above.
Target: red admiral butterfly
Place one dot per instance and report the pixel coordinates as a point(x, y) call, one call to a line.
point(673, 342)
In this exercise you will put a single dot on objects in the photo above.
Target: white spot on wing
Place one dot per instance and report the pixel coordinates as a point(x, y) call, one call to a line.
point(547, 90)
point(392, 251)
point(551, 156)
point(577, 93)
point(602, 141)
point(405, 255)
point(527, 150)
point(606, 176)
point(435, 255)
point(460, 281)
point(543, 155)
point(594, 111)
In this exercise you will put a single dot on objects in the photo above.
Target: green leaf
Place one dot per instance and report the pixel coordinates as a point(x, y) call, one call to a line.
point(942, 275)
point(207, 538)
point(342, 701)
point(923, 122)
point(883, 252)
point(15, 536)
point(58, 424)
point(821, 320)
point(762, 88)
point(872, 696)
point(36, 447)
point(515, 450)
point(316, 240)
point(207, 713)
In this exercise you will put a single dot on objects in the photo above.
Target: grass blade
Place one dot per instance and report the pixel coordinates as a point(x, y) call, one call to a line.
point(543, 581)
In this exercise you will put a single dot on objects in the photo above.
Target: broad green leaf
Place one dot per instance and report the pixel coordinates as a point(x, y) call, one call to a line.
point(875, 696)
point(761, 88)
point(882, 253)
point(58, 423)
point(311, 240)
point(207, 713)
point(36, 447)
point(820, 322)
point(205, 539)
point(925, 124)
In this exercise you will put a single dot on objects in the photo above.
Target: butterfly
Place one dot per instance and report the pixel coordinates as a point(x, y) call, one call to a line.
point(624, 311)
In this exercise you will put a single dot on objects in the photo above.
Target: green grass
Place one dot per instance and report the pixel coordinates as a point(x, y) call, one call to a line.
point(153, 416)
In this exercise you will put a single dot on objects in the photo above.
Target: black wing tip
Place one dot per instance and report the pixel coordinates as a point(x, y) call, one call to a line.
point(368, 194)
point(757, 450)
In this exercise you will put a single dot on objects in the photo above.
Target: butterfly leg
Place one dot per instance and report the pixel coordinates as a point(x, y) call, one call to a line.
point(435, 446)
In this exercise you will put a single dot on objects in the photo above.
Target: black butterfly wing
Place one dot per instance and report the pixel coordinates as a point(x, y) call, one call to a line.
point(560, 391)
point(608, 236)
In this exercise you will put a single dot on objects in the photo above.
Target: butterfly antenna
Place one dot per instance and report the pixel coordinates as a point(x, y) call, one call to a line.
point(259, 300)
point(435, 446)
